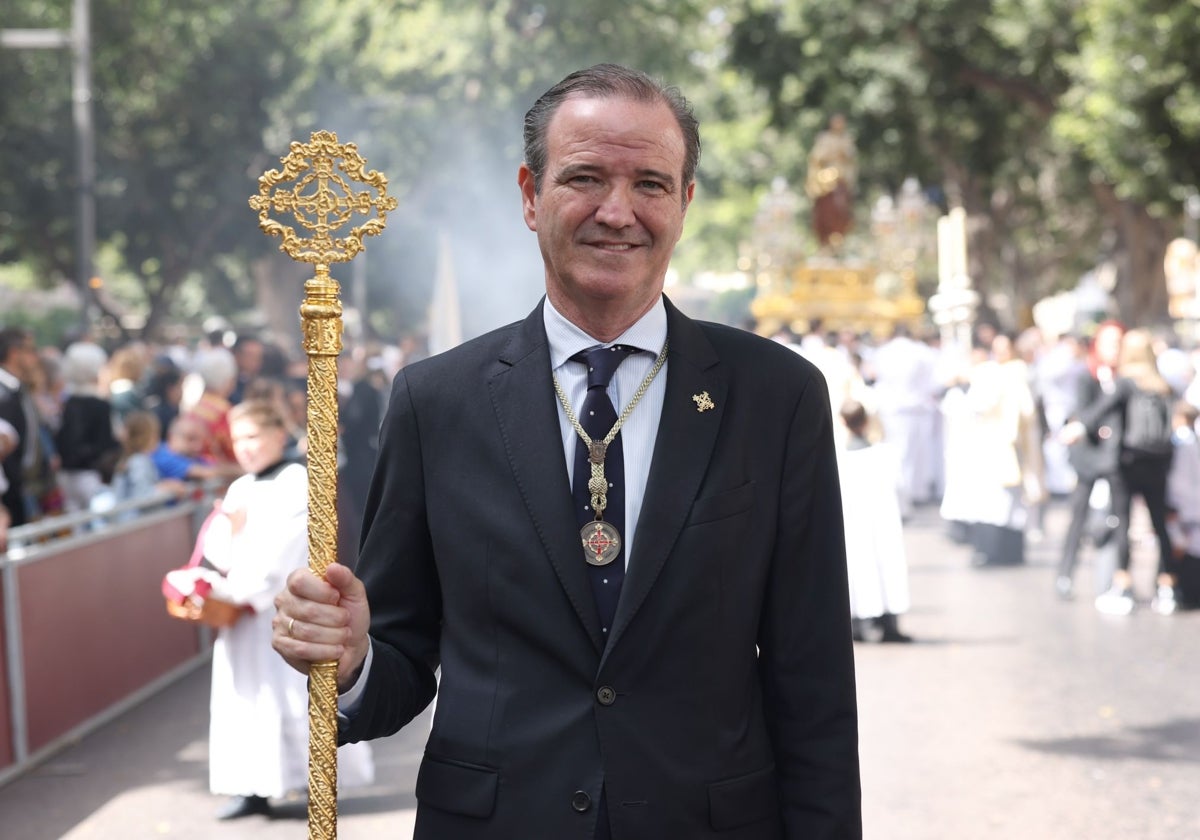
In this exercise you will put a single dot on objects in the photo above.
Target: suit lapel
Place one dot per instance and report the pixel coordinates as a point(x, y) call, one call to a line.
point(525, 407)
point(682, 448)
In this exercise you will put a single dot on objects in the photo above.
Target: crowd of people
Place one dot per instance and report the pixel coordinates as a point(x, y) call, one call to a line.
point(991, 434)
point(995, 432)
point(86, 425)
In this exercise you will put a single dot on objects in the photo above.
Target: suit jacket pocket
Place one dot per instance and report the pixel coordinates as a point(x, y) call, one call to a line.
point(457, 787)
point(721, 505)
point(742, 800)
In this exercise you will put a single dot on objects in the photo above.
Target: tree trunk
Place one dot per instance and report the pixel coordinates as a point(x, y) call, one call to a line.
point(279, 289)
point(1141, 290)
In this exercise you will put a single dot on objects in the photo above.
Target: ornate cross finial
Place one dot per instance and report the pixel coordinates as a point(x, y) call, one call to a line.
point(322, 200)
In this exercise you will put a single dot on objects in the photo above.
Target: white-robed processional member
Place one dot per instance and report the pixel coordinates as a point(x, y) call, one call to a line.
point(258, 728)
point(875, 557)
point(616, 530)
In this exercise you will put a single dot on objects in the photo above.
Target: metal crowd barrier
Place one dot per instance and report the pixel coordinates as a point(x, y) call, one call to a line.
point(84, 636)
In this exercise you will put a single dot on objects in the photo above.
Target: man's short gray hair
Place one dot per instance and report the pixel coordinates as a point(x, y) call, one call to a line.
point(609, 81)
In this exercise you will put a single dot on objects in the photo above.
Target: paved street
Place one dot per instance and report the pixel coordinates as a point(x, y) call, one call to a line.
point(1019, 716)
point(1012, 716)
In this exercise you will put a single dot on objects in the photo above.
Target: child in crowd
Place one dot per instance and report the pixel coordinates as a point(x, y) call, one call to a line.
point(878, 569)
point(137, 476)
point(179, 456)
point(1183, 514)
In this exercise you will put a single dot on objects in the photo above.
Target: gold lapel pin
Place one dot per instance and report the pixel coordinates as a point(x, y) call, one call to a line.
point(703, 401)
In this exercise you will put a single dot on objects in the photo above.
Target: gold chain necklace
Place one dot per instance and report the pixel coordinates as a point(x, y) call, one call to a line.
point(602, 541)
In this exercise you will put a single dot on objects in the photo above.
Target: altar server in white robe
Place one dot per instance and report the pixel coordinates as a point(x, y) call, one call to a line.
point(876, 563)
point(907, 393)
point(258, 733)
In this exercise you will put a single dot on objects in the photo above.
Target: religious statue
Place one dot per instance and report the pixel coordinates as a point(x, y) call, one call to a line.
point(832, 174)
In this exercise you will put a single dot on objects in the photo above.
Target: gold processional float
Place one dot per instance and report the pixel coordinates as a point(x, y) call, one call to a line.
point(868, 288)
point(861, 298)
point(316, 187)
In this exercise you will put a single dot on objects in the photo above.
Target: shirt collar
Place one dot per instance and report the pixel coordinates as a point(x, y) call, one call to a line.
point(8, 380)
point(648, 333)
point(271, 471)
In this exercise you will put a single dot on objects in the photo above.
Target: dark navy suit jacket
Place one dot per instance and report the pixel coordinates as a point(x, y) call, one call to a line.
point(722, 704)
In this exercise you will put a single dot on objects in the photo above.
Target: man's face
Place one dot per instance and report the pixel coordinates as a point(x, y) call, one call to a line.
point(22, 360)
point(612, 202)
point(249, 357)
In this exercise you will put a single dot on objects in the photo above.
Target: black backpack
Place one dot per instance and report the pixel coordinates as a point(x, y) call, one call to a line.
point(1147, 423)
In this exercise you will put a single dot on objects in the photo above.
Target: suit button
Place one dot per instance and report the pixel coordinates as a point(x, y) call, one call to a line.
point(606, 695)
point(580, 801)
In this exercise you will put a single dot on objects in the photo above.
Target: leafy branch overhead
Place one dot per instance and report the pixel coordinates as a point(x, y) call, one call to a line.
point(1069, 129)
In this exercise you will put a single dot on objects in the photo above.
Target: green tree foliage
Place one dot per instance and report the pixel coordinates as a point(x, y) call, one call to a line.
point(1133, 108)
point(1034, 114)
point(194, 99)
point(181, 92)
point(1068, 128)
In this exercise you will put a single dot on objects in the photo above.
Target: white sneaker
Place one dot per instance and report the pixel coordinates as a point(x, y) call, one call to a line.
point(1164, 600)
point(1116, 601)
point(1064, 587)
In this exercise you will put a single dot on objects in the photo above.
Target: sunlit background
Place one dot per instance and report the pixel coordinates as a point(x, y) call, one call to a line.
point(1069, 132)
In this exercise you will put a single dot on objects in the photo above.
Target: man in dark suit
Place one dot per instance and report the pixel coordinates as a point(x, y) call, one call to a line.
point(18, 353)
point(641, 634)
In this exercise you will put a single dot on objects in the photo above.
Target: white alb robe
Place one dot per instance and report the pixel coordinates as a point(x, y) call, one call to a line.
point(876, 563)
point(258, 731)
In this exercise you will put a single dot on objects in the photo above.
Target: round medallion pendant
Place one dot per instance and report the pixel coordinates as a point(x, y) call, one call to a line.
point(601, 543)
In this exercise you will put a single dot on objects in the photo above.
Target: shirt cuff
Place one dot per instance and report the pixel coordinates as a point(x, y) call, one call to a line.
point(350, 700)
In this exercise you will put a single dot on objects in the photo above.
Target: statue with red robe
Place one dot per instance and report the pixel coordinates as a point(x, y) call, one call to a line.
point(832, 174)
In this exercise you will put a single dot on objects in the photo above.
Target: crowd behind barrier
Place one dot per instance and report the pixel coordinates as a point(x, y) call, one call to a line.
point(86, 424)
point(112, 455)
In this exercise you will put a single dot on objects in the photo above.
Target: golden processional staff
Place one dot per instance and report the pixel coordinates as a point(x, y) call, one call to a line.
point(316, 189)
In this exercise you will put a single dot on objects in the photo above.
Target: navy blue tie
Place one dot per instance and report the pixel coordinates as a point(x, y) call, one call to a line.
point(597, 416)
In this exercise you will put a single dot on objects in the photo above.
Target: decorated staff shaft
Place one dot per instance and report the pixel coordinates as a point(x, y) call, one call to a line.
point(316, 189)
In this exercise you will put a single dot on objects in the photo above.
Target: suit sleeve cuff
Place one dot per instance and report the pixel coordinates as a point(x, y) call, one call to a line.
point(350, 700)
